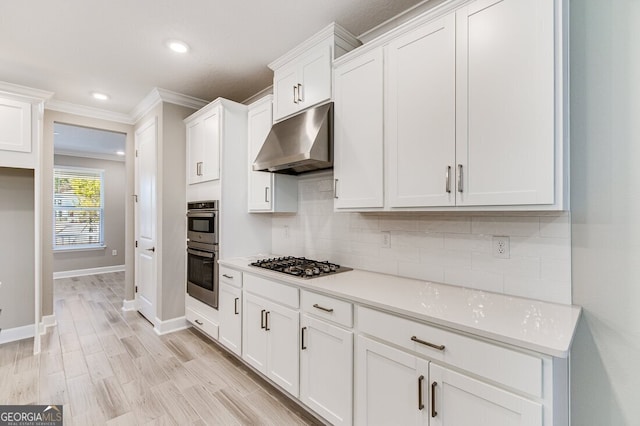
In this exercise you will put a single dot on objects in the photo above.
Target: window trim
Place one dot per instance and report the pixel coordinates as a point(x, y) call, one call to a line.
point(100, 245)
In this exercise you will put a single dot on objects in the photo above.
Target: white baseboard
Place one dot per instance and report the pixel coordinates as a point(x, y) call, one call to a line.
point(17, 333)
point(90, 271)
point(169, 326)
point(46, 322)
point(129, 305)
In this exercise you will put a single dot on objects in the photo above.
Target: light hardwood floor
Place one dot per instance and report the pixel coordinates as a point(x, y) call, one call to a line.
point(107, 366)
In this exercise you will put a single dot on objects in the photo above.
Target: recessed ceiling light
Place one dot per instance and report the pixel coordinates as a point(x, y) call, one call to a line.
point(178, 46)
point(120, 152)
point(100, 96)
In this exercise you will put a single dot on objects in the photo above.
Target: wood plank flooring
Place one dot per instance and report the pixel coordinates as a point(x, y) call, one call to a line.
point(109, 367)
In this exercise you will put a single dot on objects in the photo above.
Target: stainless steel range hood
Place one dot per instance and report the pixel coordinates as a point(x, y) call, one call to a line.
point(299, 144)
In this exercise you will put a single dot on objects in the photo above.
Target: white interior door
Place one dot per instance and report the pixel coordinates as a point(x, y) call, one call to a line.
point(145, 219)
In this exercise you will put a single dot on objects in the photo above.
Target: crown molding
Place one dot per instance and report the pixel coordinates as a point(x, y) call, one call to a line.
point(258, 96)
point(158, 95)
point(330, 30)
point(87, 111)
point(24, 91)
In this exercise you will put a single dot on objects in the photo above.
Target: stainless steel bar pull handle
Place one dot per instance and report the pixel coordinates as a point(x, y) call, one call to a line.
point(431, 345)
point(236, 310)
point(335, 188)
point(262, 318)
point(302, 345)
point(420, 396)
point(295, 94)
point(199, 168)
point(447, 184)
point(433, 399)
point(266, 194)
point(300, 97)
point(459, 177)
point(198, 322)
point(322, 308)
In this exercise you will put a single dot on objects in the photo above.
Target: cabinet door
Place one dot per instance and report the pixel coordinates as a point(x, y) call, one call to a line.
point(15, 125)
point(260, 183)
point(285, 90)
point(358, 160)
point(283, 356)
point(461, 400)
point(505, 104)
point(211, 145)
point(420, 134)
point(194, 151)
point(391, 386)
point(326, 370)
point(229, 308)
point(254, 334)
point(315, 77)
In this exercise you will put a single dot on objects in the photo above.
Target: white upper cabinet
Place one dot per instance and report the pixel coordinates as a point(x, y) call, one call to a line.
point(302, 77)
point(268, 192)
point(505, 104)
point(421, 119)
point(358, 132)
point(15, 125)
point(474, 106)
point(203, 144)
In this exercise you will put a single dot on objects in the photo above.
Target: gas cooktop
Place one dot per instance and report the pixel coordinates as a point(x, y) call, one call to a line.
point(300, 266)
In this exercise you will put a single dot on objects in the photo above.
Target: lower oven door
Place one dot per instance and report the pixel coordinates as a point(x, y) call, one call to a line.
point(202, 275)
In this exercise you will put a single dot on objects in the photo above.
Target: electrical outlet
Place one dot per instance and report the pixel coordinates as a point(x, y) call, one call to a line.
point(386, 239)
point(114, 252)
point(501, 247)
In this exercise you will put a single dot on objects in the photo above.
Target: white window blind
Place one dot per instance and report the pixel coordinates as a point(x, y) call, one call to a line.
point(78, 207)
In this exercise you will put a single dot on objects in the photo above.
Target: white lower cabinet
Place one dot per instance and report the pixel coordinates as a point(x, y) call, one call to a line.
point(230, 309)
point(326, 370)
point(461, 400)
point(391, 385)
point(270, 341)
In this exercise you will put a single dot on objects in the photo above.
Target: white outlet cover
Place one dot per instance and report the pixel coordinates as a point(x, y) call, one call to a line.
point(501, 247)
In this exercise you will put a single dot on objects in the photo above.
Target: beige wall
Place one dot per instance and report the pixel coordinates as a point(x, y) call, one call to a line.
point(16, 247)
point(47, 198)
point(605, 200)
point(114, 178)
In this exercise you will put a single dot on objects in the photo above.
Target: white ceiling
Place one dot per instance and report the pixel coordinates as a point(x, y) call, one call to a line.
point(88, 142)
point(74, 47)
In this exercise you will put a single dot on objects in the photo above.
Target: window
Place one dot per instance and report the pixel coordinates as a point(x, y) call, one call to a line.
point(78, 208)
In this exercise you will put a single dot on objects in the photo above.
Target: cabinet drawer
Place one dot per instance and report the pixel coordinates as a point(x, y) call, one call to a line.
point(202, 323)
point(272, 290)
point(328, 308)
point(514, 369)
point(231, 276)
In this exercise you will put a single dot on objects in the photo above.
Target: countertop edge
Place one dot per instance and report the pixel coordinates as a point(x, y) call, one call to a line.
point(562, 352)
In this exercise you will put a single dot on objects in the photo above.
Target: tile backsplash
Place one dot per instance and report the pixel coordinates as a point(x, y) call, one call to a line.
point(453, 248)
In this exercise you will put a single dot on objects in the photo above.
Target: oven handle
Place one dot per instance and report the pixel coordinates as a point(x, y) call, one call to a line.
point(201, 253)
point(201, 214)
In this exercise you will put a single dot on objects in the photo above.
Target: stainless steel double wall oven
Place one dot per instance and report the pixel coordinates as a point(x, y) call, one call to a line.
point(202, 251)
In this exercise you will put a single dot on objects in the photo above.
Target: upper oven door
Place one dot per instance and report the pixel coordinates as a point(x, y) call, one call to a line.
point(202, 226)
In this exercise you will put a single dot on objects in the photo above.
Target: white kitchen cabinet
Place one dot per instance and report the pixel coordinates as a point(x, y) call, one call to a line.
point(326, 370)
point(270, 341)
point(462, 400)
point(302, 77)
point(420, 116)
point(391, 386)
point(15, 125)
point(268, 192)
point(358, 129)
point(230, 314)
point(505, 102)
point(203, 144)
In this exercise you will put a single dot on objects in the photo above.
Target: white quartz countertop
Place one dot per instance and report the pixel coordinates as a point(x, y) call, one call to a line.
point(543, 327)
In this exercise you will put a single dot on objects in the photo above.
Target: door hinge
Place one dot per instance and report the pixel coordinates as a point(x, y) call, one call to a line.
point(136, 244)
point(136, 289)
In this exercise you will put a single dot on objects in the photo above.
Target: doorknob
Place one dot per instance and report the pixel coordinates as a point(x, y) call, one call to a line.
point(152, 249)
